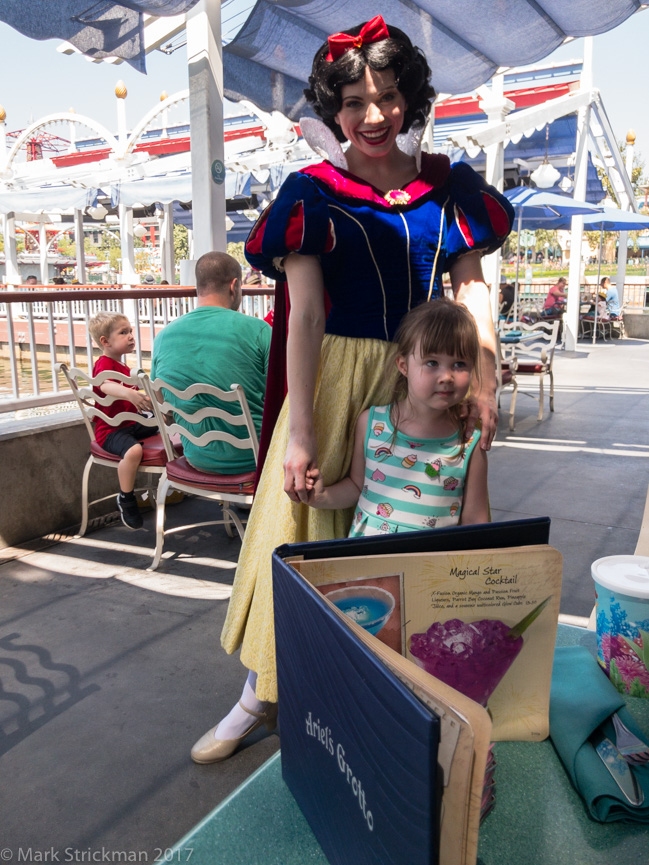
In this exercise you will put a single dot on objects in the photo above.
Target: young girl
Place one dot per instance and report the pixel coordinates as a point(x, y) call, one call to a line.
point(412, 468)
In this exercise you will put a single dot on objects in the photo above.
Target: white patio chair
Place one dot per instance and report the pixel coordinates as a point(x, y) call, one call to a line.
point(506, 379)
point(155, 456)
point(227, 489)
point(534, 354)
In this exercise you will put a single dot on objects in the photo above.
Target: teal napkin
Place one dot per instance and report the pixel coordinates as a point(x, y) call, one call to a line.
point(582, 699)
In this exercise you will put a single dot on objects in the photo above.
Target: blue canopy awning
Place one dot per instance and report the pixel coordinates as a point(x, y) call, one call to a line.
point(105, 29)
point(465, 41)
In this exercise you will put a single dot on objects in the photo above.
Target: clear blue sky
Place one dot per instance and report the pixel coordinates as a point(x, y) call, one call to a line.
point(36, 80)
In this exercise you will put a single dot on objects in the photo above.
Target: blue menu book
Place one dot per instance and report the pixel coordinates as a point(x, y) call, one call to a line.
point(359, 750)
point(386, 762)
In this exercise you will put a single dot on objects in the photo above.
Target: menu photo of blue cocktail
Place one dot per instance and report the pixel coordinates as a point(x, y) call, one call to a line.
point(375, 604)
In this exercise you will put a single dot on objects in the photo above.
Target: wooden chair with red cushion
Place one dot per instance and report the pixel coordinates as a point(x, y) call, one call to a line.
point(155, 456)
point(534, 354)
point(226, 489)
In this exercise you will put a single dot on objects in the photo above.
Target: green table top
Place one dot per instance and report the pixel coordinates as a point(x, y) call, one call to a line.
point(538, 818)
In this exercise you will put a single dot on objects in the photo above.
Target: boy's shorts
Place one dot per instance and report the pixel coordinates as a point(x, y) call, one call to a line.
point(122, 440)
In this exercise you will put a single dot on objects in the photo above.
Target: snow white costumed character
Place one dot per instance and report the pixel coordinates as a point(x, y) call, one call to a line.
point(360, 239)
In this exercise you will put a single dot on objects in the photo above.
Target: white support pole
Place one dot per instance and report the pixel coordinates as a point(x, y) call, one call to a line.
point(625, 204)
point(571, 318)
point(427, 139)
point(126, 240)
point(12, 276)
point(3, 139)
point(205, 61)
point(79, 244)
point(129, 276)
point(42, 249)
point(168, 265)
point(496, 108)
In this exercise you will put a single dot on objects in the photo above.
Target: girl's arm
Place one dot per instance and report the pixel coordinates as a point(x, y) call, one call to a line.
point(475, 502)
point(346, 492)
point(140, 400)
point(305, 332)
point(469, 288)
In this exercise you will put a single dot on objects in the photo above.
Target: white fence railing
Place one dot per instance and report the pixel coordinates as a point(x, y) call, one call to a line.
point(40, 328)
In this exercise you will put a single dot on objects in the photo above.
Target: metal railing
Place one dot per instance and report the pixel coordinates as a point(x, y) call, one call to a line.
point(40, 328)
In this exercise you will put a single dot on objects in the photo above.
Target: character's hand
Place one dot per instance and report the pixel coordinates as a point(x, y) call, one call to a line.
point(483, 407)
point(300, 457)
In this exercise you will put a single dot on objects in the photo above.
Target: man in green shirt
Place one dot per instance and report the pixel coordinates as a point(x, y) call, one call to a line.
point(218, 345)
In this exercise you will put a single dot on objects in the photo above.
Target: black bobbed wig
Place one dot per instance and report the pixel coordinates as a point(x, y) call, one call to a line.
point(411, 73)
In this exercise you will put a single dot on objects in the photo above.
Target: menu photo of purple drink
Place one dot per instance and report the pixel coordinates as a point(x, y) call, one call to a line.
point(483, 622)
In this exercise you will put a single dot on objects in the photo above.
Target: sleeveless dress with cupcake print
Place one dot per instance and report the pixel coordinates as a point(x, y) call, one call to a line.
point(410, 484)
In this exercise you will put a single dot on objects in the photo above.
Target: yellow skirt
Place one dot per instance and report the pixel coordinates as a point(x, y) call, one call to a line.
point(354, 374)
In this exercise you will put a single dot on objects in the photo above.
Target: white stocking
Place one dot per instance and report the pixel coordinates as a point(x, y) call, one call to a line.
point(238, 721)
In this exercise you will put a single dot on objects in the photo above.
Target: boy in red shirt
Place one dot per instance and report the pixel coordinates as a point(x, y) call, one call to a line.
point(114, 335)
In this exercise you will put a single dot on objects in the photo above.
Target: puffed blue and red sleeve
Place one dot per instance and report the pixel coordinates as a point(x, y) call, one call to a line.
point(296, 221)
point(479, 218)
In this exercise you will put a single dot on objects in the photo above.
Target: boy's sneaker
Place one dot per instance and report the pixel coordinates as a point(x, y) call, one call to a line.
point(129, 511)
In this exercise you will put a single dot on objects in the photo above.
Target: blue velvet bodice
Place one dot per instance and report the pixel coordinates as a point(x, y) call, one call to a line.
point(379, 259)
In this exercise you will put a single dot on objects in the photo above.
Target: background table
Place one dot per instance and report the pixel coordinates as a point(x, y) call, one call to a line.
point(538, 818)
point(515, 337)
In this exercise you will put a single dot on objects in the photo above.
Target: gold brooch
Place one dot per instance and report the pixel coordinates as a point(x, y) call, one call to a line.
point(397, 196)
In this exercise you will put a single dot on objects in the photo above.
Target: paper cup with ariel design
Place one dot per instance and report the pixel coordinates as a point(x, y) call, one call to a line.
point(471, 657)
point(622, 592)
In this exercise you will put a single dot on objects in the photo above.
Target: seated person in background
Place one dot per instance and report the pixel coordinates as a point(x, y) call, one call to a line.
point(253, 277)
point(612, 297)
point(555, 302)
point(217, 345)
point(113, 334)
point(600, 300)
point(602, 310)
point(506, 299)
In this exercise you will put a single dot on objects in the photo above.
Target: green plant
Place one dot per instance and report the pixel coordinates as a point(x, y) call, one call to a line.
point(236, 250)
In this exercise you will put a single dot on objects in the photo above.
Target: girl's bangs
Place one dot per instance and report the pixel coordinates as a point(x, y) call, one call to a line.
point(457, 338)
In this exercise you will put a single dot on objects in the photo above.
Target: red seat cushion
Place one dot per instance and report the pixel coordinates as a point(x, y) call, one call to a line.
point(506, 376)
point(180, 470)
point(153, 455)
point(531, 367)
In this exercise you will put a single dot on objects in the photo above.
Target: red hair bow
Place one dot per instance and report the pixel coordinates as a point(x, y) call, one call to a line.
point(374, 31)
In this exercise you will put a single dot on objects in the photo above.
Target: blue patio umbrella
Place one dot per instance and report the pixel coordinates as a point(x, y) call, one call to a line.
point(612, 219)
point(538, 208)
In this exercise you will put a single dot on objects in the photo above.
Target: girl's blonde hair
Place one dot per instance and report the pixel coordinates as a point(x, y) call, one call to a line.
point(439, 326)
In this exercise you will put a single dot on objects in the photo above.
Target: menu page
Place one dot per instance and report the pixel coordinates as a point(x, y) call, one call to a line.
point(483, 621)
